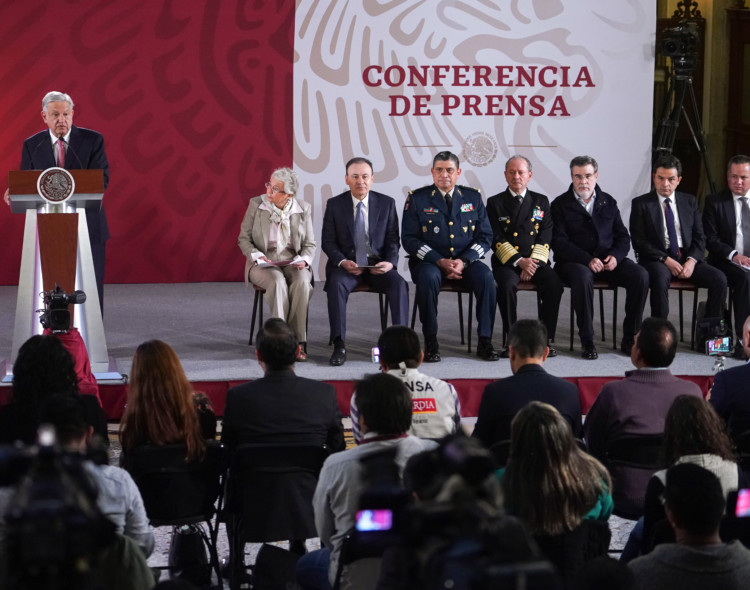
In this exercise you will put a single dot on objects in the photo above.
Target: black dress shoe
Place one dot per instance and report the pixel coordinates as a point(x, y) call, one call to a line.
point(431, 350)
point(505, 354)
point(486, 351)
point(589, 352)
point(552, 352)
point(626, 346)
point(338, 357)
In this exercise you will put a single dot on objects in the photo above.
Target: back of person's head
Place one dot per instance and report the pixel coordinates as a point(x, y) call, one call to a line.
point(160, 409)
point(605, 572)
point(277, 344)
point(692, 427)
point(399, 344)
point(384, 403)
point(67, 415)
point(528, 338)
point(694, 497)
point(657, 341)
point(43, 367)
point(549, 482)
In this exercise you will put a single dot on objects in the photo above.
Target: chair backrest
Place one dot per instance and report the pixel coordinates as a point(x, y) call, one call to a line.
point(640, 451)
point(271, 486)
point(176, 491)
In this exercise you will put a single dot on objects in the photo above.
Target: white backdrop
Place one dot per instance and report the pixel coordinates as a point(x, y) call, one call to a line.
point(537, 77)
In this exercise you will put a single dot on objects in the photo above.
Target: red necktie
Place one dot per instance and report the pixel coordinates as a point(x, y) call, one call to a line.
point(61, 153)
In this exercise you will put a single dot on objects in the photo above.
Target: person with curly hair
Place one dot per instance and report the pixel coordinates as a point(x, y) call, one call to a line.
point(160, 406)
point(43, 367)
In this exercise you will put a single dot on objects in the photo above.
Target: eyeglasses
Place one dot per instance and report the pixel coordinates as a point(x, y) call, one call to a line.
point(274, 190)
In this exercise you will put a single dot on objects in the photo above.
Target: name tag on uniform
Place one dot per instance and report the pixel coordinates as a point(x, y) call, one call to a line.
point(466, 207)
point(538, 214)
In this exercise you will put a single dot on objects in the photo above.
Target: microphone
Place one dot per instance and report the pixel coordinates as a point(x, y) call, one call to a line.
point(70, 147)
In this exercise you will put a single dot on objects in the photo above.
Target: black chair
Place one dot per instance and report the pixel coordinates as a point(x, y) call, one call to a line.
point(635, 452)
point(522, 286)
point(269, 496)
point(258, 309)
point(452, 286)
point(177, 493)
point(382, 305)
point(368, 557)
point(682, 286)
point(600, 286)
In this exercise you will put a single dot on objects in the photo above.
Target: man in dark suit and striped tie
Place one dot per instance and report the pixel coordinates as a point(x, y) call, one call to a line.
point(667, 234)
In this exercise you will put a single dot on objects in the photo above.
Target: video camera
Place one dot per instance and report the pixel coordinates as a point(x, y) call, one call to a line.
point(54, 528)
point(56, 316)
point(680, 44)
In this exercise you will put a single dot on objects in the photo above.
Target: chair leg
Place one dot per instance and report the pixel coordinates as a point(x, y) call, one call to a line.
point(383, 301)
point(257, 301)
point(571, 325)
point(694, 320)
point(461, 316)
point(682, 338)
point(601, 313)
point(614, 318)
point(471, 320)
point(414, 314)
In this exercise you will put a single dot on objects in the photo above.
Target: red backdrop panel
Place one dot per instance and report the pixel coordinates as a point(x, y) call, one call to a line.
point(194, 100)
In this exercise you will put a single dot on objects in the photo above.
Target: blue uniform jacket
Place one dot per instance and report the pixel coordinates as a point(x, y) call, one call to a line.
point(430, 232)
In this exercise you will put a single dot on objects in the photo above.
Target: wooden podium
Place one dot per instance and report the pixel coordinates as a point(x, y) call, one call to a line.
point(57, 250)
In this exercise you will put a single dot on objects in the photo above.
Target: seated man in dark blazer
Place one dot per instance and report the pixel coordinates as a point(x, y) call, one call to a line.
point(501, 400)
point(668, 240)
point(74, 148)
point(522, 232)
point(590, 241)
point(353, 238)
point(728, 242)
point(729, 395)
point(281, 407)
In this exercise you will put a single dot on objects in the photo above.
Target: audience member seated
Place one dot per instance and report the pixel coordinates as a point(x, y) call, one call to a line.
point(458, 512)
point(73, 341)
point(385, 412)
point(281, 407)
point(501, 401)
point(436, 408)
point(693, 433)
point(729, 392)
point(42, 368)
point(553, 487)
point(694, 505)
point(160, 408)
point(637, 405)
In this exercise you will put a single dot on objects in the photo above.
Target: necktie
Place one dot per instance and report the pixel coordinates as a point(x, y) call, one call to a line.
point(360, 241)
point(745, 226)
point(674, 250)
point(60, 153)
point(449, 202)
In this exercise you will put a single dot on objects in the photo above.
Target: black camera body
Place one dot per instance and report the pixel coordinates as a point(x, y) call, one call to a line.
point(56, 314)
point(680, 43)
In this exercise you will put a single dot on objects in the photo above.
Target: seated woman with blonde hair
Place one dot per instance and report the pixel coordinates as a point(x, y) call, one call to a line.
point(276, 237)
point(161, 407)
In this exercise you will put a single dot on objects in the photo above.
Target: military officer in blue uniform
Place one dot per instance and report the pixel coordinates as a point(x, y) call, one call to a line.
point(445, 231)
point(522, 233)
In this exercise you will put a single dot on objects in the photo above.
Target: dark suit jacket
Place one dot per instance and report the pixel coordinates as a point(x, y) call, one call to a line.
point(281, 407)
point(502, 400)
point(529, 227)
point(85, 151)
point(579, 237)
point(338, 229)
point(720, 225)
point(646, 227)
point(730, 398)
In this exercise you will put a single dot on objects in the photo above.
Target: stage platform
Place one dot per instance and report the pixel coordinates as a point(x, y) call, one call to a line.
point(208, 324)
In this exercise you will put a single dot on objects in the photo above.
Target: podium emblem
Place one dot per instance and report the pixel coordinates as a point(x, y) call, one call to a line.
point(55, 185)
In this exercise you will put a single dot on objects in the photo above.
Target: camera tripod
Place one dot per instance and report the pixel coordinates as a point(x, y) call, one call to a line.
point(680, 85)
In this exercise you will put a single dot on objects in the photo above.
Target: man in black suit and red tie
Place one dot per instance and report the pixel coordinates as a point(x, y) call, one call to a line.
point(66, 146)
point(667, 234)
point(726, 223)
point(361, 240)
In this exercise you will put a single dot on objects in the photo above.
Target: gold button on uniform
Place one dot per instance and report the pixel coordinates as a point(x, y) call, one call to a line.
point(451, 236)
point(450, 223)
point(515, 233)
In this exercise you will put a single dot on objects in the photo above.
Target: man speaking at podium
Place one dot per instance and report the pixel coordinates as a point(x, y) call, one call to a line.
point(74, 148)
